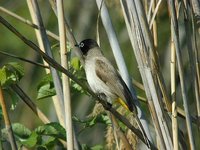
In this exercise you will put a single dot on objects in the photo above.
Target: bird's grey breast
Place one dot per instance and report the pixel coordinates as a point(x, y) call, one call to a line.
point(96, 84)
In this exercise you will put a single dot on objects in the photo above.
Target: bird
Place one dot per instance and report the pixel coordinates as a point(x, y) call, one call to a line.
point(102, 77)
point(104, 80)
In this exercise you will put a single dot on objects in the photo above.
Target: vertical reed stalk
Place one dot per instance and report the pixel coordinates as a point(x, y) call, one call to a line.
point(146, 57)
point(65, 79)
point(45, 47)
point(191, 53)
point(173, 95)
point(120, 61)
point(175, 34)
point(155, 30)
point(196, 62)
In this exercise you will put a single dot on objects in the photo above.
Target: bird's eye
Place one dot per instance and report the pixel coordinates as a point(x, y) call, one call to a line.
point(81, 44)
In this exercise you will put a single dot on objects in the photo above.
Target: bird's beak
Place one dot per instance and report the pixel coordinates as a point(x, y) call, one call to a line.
point(76, 45)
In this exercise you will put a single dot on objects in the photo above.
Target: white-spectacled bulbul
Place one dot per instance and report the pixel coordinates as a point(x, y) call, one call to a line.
point(104, 79)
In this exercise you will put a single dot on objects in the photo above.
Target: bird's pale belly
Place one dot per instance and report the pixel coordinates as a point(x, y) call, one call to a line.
point(97, 85)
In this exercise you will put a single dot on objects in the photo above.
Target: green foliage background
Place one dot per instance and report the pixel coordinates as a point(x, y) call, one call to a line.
point(82, 16)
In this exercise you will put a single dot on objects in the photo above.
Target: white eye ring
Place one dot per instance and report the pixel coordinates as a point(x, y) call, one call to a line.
point(81, 44)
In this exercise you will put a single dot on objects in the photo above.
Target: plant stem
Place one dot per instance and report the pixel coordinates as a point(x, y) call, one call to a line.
point(25, 60)
point(118, 133)
point(65, 79)
point(171, 6)
point(143, 47)
point(121, 63)
point(173, 95)
point(25, 21)
point(30, 103)
point(7, 121)
point(45, 46)
point(33, 106)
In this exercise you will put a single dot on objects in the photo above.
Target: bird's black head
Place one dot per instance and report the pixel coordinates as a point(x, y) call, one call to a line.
point(86, 45)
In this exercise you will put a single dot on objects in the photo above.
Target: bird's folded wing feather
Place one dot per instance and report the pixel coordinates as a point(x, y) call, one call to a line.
point(106, 72)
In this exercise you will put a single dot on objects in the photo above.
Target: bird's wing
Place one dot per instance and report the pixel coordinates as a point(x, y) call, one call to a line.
point(106, 72)
point(128, 96)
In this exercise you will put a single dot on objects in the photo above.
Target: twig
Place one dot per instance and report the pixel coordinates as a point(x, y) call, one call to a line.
point(154, 14)
point(97, 24)
point(150, 10)
point(180, 111)
point(138, 84)
point(26, 60)
point(28, 22)
point(118, 133)
point(7, 121)
point(155, 29)
point(30, 103)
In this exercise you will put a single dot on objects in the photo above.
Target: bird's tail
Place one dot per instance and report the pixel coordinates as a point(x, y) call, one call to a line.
point(133, 109)
point(140, 126)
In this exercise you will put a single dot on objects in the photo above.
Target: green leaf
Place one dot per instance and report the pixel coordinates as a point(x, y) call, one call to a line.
point(43, 137)
point(31, 141)
point(77, 70)
point(85, 147)
point(49, 141)
point(99, 119)
point(55, 46)
point(11, 73)
point(75, 63)
point(80, 75)
point(53, 129)
point(17, 68)
point(96, 147)
point(46, 87)
point(24, 135)
point(21, 131)
point(13, 96)
point(102, 118)
point(7, 77)
point(76, 87)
